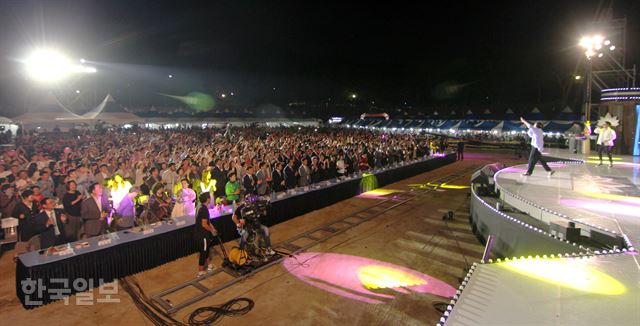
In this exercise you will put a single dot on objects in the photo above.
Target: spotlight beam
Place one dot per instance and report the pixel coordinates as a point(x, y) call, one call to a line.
point(50, 66)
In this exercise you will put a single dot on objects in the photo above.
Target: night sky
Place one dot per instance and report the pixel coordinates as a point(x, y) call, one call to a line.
point(492, 53)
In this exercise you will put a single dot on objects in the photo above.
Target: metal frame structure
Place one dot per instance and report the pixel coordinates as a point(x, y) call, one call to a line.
point(609, 71)
point(312, 237)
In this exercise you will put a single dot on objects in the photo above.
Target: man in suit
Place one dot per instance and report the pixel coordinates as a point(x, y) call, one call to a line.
point(127, 210)
point(278, 178)
point(290, 175)
point(262, 177)
point(305, 173)
point(221, 180)
point(94, 212)
point(103, 175)
point(49, 223)
point(249, 181)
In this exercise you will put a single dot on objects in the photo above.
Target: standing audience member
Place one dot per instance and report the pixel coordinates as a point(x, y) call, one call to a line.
point(72, 203)
point(94, 211)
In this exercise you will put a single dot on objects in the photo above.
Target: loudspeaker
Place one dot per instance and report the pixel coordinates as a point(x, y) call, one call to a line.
point(565, 230)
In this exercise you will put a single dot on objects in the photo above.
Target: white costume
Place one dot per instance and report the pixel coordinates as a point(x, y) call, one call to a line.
point(185, 205)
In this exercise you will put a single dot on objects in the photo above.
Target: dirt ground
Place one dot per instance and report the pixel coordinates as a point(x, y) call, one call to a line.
point(412, 236)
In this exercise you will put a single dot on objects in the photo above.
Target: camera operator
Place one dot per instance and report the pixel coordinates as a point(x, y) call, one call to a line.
point(241, 223)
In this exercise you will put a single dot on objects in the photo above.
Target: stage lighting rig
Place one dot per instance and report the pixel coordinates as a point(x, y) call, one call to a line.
point(50, 66)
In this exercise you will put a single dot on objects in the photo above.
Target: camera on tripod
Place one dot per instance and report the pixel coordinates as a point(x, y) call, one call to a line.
point(254, 209)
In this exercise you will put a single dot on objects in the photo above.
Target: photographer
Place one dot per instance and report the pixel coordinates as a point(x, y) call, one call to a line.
point(245, 222)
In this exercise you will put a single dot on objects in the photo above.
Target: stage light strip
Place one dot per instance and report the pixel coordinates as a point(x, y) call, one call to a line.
point(524, 224)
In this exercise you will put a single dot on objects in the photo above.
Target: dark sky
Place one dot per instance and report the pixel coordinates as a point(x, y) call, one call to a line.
point(510, 52)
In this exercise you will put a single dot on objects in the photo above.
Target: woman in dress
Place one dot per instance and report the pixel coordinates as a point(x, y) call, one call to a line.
point(185, 200)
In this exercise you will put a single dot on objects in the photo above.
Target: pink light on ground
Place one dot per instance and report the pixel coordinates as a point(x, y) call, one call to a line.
point(354, 277)
point(602, 206)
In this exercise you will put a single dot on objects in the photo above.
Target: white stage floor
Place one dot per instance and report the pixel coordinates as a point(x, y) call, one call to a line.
point(587, 193)
point(596, 290)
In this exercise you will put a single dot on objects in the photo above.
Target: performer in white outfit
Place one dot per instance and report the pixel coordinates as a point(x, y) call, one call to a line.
point(605, 142)
point(185, 201)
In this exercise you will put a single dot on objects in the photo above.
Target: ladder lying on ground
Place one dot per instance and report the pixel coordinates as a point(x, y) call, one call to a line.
point(309, 238)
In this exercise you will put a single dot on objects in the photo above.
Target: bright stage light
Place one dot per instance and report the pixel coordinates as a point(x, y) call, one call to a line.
point(578, 77)
point(585, 42)
point(49, 66)
point(593, 44)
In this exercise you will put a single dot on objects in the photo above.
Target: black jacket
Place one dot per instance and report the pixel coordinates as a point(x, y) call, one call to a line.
point(277, 177)
point(221, 180)
point(249, 184)
point(47, 233)
point(290, 179)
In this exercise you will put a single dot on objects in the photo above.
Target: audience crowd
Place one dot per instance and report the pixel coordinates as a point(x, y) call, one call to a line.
point(58, 184)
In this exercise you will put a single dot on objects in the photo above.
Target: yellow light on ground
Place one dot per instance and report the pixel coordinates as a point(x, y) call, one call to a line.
point(380, 192)
point(383, 277)
point(574, 274)
point(604, 161)
point(598, 158)
point(443, 185)
point(626, 199)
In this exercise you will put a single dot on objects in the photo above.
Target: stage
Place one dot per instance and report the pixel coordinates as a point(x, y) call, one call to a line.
point(590, 290)
point(594, 284)
point(597, 198)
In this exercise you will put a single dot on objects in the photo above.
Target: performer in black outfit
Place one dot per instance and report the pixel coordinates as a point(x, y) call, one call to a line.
point(203, 234)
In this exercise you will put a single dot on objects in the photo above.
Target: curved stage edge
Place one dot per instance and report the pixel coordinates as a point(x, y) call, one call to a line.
point(513, 237)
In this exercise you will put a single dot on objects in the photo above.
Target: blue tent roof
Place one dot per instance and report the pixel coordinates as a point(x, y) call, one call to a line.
point(485, 125)
point(513, 126)
point(567, 115)
point(557, 127)
point(413, 123)
point(467, 124)
point(510, 115)
point(448, 124)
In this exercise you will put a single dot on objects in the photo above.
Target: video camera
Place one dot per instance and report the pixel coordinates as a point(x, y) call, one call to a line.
point(254, 209)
